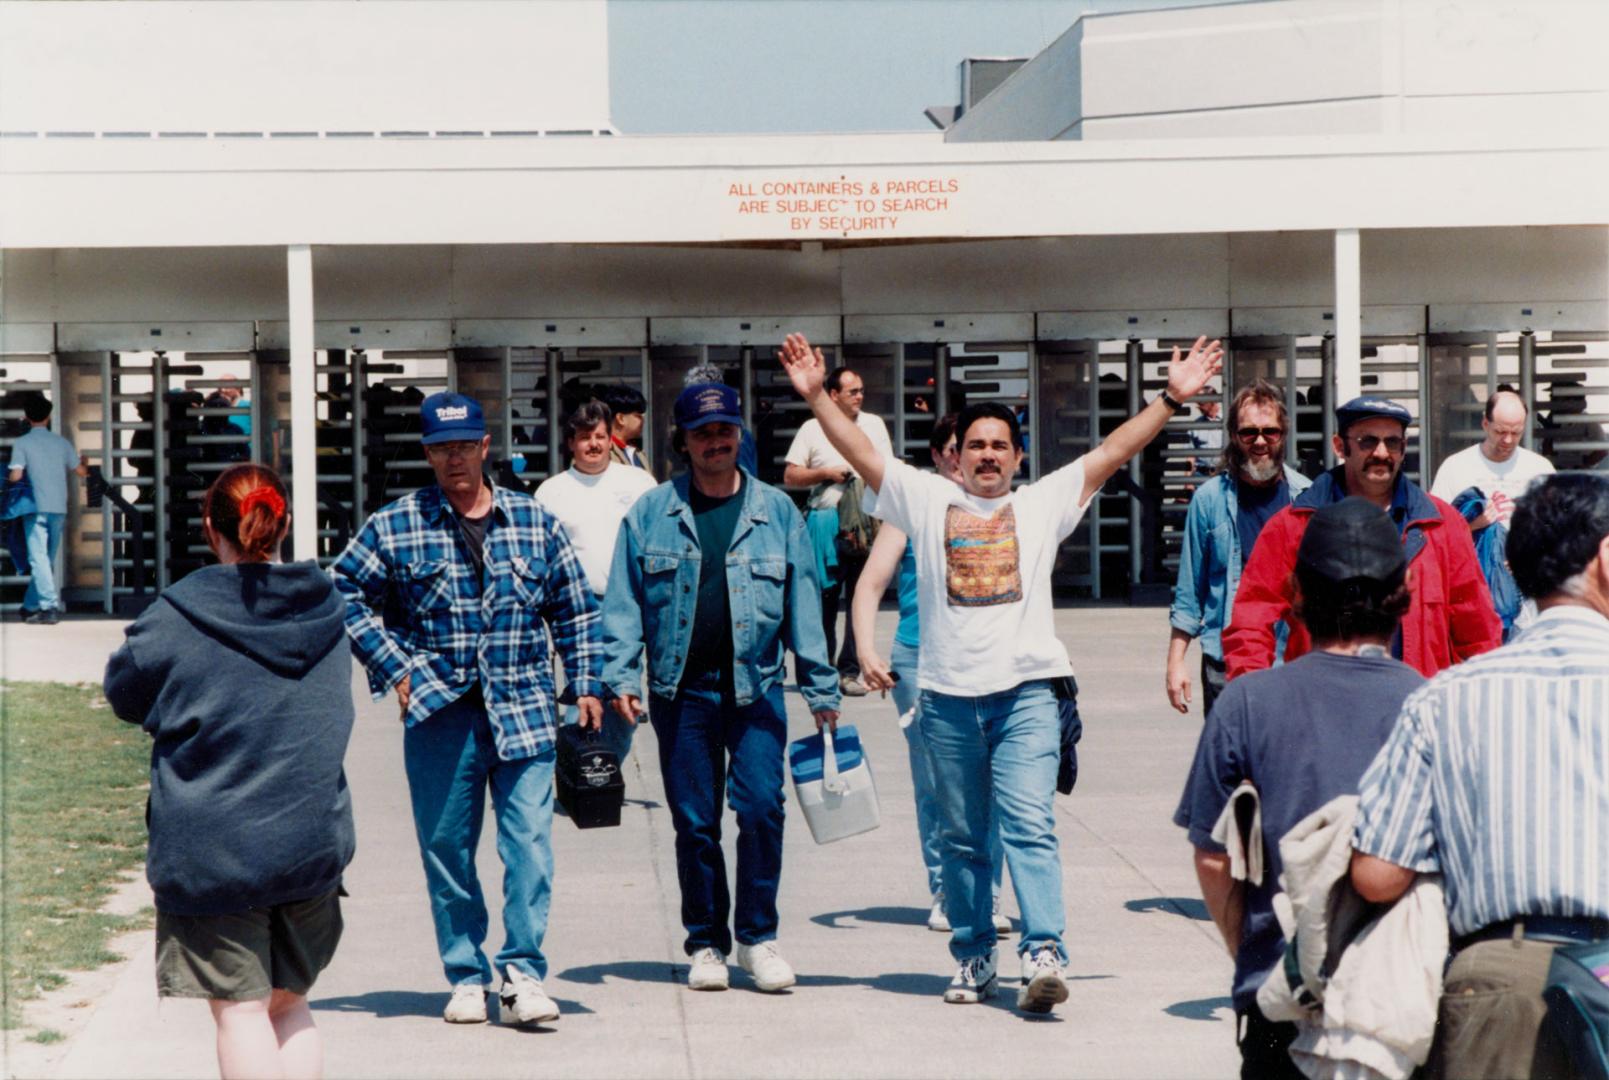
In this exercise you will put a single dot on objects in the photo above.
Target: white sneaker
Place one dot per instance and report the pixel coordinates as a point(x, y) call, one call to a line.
point(708, 971)
point(974, 981)
point(1043, 987)
point(467, 1005)
point(524, 1000)
point(1002, 923)
point(764, 962)
point(936, 919)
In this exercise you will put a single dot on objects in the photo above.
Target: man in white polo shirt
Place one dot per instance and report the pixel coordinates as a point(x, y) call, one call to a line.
point(813, 462)
point(590, 499)
point(989, 656)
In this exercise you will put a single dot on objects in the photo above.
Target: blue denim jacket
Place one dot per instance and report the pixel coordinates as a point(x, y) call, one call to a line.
point(770, 576)
point(1210, 561)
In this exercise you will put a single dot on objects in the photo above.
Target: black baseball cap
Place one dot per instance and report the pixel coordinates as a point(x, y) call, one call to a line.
point(1352, 539)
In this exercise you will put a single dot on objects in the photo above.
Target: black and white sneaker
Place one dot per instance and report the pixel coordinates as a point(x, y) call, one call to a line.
point(974, 981)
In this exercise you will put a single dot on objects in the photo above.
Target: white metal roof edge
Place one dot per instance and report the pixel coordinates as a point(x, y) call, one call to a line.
point(32, 156)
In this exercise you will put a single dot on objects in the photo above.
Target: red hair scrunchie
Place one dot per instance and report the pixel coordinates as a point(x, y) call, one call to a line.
point(264, 496)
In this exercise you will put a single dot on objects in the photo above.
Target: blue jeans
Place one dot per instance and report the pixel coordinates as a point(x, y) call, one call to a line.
point(450, 760)
point(709, 746)
point(998, 750)
point(43, 532)
point(906, 697)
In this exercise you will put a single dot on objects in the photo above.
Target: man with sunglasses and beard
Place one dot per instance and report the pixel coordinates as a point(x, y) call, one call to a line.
point(1226, 515)
point(1451, 616)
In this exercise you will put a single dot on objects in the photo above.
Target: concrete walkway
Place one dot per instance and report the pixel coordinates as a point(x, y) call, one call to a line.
point(1149, 976)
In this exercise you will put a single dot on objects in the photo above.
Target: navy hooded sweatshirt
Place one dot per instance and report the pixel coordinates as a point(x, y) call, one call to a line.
point(242, 675)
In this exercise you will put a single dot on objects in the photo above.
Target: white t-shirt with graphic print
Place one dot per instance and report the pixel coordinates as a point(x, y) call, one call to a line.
point(983, 571)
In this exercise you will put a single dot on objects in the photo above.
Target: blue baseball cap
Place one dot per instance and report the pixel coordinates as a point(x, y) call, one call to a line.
point(707, 403)
point(451, 418)
point(1367, 408)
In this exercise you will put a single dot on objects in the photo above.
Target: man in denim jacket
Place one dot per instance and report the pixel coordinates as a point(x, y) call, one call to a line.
point(713, 572)
point(1226, 514)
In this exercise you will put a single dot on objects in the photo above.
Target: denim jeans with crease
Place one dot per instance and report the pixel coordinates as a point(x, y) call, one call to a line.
point(43, 535)
point(709, 747)
point(902, 659)
point(998, 750)
point(451, 760)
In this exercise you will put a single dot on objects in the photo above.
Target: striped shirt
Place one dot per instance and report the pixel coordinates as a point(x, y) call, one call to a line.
point(1497, 776)
point(416, 608)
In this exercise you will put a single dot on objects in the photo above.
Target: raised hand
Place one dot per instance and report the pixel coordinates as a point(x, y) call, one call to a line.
point(806, 367)
point(1187, 376)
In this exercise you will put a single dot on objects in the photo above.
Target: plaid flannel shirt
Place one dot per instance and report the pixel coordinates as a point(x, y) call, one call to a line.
point(416, 608)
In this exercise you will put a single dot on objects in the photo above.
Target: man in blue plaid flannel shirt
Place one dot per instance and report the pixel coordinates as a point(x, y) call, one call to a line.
point(452, 593)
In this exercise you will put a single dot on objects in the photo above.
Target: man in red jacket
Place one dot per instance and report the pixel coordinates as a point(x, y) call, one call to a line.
point(1451, 616)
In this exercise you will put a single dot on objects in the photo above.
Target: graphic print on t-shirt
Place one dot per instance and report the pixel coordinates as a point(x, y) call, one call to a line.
point(982, 563)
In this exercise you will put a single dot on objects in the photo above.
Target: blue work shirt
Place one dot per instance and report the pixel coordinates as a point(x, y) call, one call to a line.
point(1211, 558)
point(1302, 733)
point(45, 459)
point(771, 582)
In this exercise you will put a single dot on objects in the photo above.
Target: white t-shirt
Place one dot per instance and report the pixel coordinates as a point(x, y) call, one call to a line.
point(1472, 468)
point(591, 509)
point(983, 575)
point(811, 449)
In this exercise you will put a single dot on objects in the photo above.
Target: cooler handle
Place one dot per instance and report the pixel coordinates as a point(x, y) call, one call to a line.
point(830, 780)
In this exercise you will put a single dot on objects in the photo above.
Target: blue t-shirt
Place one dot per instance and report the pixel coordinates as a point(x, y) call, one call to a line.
point(1302, 733)
point(909, 631)
point(45, 459)
point(1257, 503)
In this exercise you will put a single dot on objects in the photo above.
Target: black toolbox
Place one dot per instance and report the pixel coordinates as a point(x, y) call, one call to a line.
point(587, 778)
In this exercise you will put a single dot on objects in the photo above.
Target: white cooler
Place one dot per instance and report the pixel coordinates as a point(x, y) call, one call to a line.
point(833, 782)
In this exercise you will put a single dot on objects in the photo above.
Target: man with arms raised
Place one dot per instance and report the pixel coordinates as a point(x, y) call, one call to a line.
point(1451, 617)
point(984, 555)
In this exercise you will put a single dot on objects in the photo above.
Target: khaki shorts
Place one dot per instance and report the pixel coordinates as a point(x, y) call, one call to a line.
point(244, 956)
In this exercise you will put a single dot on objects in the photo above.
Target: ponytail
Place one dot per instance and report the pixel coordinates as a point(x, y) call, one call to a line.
point(246, 505)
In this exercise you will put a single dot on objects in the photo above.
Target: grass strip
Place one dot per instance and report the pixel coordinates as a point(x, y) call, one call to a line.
point(73, 781)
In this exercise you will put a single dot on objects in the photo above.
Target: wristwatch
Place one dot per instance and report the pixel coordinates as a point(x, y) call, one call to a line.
point(1167, 399)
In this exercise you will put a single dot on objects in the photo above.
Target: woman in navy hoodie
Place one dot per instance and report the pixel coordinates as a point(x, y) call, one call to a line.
point(241, 674)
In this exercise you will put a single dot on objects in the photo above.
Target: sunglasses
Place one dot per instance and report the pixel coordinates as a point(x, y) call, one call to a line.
point(1368, 443)
point(1252, 434)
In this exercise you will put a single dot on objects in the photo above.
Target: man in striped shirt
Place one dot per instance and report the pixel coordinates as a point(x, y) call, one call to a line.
point(1497, 777)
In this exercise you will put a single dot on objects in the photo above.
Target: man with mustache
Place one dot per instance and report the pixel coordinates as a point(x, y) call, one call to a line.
point(1226, 514)
point(989, 655)
point(1451, 617)
point(713, 573)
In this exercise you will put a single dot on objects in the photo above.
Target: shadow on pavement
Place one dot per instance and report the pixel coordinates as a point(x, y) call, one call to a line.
point(647, 971)
point(893, 916)
point(1200, 1009)
point(391, 1004)
point(1174, 905)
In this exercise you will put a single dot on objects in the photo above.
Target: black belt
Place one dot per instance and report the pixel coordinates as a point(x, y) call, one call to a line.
point(1539, 928)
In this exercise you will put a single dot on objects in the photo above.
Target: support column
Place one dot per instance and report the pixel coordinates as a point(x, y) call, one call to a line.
point(1348, 316)
point(304, 390)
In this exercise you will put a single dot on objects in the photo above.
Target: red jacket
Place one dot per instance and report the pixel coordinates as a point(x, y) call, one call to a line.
point(1450, 618)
